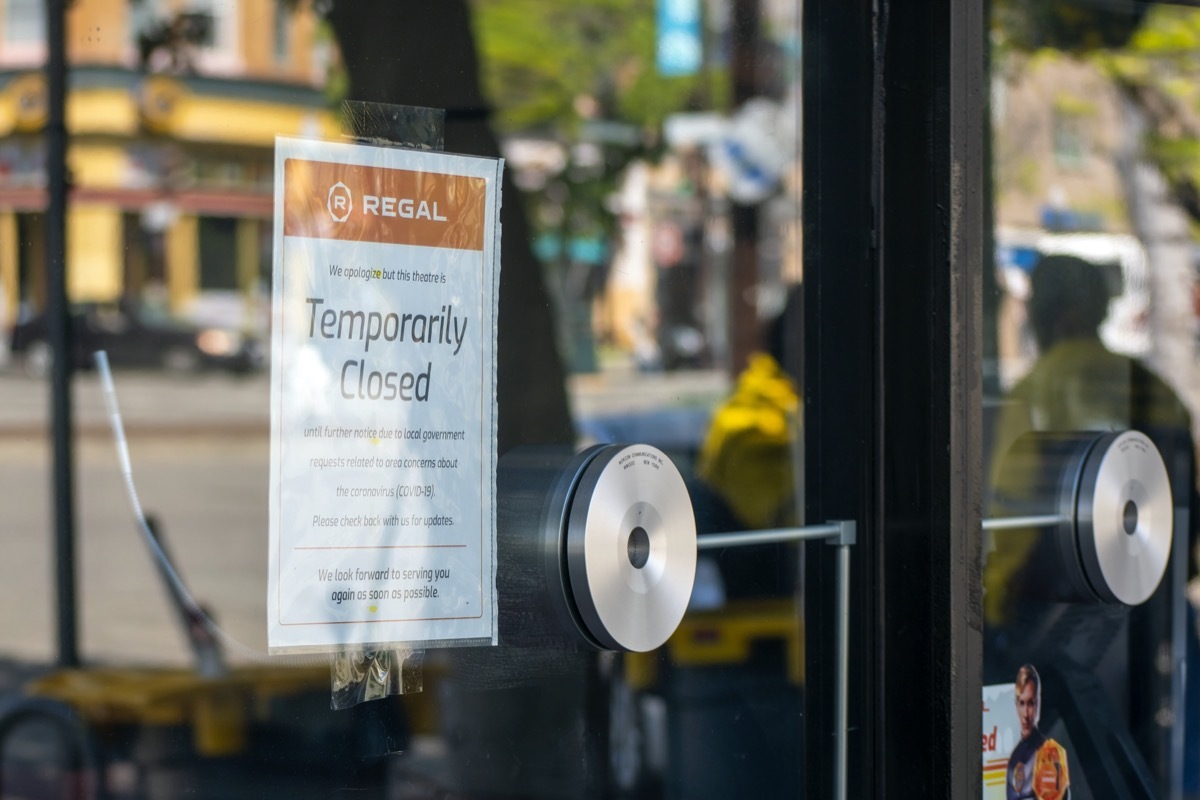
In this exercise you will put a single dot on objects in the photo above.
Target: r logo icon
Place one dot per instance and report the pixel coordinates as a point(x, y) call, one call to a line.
point(340, 202)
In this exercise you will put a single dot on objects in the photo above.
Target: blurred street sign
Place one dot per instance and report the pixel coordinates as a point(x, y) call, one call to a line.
point(680, 48)
point(689, 129)
point(607, 131)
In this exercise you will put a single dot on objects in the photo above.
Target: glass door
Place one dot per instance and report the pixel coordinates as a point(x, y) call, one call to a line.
point(1091, 330)
point(649, 294)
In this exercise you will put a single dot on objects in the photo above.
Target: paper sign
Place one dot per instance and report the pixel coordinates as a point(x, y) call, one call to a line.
point(1001, 732)
point(382, 397)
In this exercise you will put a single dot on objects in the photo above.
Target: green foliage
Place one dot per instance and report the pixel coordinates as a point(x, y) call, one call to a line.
point(1071, 105)
point(1073, 26)
point(539, 57)
point(1160, 71)
point(1165, 52)
point(1150, 52)
point(1169, 32)
point(558, 69)
point(336, 86)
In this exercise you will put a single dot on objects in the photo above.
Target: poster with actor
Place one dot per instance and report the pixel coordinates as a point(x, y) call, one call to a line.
point(1019, 761)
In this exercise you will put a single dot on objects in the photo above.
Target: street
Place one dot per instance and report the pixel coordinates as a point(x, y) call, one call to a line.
point(208, 493)
point(199, 448)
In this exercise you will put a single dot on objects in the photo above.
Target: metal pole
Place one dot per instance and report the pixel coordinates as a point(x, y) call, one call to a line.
point(58, 319)
point(1008, 523)
point(842, 609)
point(842, 671)
point(843, 536)
point(745, 335)
point(709, 541)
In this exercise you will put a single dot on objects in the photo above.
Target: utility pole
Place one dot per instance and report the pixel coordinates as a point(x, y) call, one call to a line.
point(745, 335)
point(58, 318)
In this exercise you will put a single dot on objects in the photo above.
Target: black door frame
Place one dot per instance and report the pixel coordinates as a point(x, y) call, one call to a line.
point(895, 98)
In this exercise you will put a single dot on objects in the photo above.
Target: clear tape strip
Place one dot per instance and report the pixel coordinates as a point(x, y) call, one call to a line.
point(358, 677)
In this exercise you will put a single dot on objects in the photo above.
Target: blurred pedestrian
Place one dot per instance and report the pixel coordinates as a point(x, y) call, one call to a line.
point(1077, 384)
point(750, 467)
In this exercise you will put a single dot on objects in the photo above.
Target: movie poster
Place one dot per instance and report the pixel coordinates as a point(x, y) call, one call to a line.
point(1019, 761)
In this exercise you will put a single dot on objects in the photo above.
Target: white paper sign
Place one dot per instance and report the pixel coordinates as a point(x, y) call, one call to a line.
point(382, 397)
point(1001, 732)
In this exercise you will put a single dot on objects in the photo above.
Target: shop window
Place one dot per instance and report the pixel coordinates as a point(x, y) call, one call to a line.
point(218, 254)
point(24, 22)
point(144, 17)
point(220, 53)
point(283, 32)
point(197, 231)
point(1072, 146)
point(31, 260)
point(1094, 334)
point(22, 32)
point(145, 256)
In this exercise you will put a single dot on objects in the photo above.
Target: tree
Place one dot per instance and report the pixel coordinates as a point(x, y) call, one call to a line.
point(551, 67)
point(1159, 72)
point(1150, 52)
point(582, 75)
point(1072, 26)
point(412, 53)
point(544, 57)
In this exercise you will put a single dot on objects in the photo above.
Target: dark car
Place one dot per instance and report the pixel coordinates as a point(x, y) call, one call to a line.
point(136, 335)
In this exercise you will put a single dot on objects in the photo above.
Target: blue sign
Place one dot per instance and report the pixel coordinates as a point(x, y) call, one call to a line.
point(680, 48)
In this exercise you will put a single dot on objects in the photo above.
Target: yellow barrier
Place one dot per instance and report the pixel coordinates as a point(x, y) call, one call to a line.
point(727, 636)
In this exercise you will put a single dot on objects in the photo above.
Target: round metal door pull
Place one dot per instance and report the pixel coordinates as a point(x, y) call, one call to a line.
point(1105, 504)
point(631, 548)
point(597, 548)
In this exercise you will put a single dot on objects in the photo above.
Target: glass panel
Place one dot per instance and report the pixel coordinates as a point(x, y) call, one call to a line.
point(1092, 332)
point(651, 294)
point(24, 21)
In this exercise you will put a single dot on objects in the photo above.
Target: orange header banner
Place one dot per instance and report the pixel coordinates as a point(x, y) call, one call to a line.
point(324, 200)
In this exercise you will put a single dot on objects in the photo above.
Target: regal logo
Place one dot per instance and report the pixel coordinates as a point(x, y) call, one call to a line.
point(339, 202)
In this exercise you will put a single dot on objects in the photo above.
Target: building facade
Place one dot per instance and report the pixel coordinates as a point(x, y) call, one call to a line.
point(172, 114)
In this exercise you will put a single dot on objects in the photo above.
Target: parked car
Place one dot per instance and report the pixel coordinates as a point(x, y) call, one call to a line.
point(139, 336)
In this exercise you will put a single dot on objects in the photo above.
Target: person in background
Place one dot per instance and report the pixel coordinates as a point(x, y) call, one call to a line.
point(747, 454)
point(750, 467)
point(1077, 384)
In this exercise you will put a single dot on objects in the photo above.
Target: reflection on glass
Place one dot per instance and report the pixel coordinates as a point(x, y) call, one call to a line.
point(1095, 148)
point(617, 324)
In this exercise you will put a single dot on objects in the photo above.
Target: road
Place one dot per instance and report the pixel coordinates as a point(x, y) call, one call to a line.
point(208, 491)
point(200, 456)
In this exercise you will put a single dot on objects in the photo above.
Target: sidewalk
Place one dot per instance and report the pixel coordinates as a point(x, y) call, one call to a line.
point(149, 403)
point(153, 403)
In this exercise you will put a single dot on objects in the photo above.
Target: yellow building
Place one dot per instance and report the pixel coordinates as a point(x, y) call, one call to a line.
point(171, 147)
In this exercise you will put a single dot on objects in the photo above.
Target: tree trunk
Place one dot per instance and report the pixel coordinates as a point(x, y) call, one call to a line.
point(407, 52)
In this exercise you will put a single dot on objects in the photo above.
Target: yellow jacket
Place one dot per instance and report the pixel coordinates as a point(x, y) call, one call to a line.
point(1076, 385)
point(747, 454)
